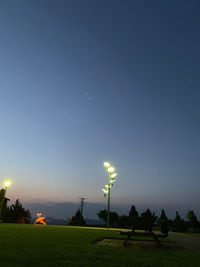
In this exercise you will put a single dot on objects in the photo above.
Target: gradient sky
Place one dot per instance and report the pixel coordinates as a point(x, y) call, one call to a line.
point(82, 82)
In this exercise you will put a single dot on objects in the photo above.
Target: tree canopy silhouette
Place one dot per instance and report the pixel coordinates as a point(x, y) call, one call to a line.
point(147, 220)
point(134, 219)
point(77, 219)
point(192, 219)
point(17, 214)
point(179, 225)
point(114, 217)
point(163, 217)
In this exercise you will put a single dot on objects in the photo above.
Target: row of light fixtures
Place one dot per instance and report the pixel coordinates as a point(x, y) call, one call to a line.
point(112, 177)
point(107, 189)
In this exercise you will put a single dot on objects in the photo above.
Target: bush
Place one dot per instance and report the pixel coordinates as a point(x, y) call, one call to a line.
point(194, 230)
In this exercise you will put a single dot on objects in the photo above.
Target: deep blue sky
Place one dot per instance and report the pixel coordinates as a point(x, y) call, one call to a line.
point(86, 81)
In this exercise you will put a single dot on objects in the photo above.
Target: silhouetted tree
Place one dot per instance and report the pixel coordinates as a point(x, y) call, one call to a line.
point(133, 218)
point(147, 220)
point(102, 214)
point(163, 222)
point(114, 217)
point(179, 225)
point(17, 214)
point(4, 207)
point(178, 217)
point(77, 219)
point(163, 217)
point(192, 219)
point(124, 221)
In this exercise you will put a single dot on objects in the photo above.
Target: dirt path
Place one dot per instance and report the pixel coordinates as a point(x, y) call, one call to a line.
point(186, 241)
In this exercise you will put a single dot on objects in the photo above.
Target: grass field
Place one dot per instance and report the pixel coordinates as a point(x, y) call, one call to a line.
point(28, 245)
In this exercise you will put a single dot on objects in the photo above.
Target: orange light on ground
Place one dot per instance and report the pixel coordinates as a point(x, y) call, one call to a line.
point(40, 220)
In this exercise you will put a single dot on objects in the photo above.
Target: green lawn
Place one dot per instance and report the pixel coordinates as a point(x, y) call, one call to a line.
point(28, 245)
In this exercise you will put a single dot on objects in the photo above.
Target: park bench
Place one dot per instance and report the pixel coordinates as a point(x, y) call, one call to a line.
point(143, 234)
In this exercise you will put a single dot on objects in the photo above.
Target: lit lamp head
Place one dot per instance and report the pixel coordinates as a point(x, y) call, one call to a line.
point(105, 191)
point(111, 169)
point(7, 183)
point(113, 175)
point(106, 164)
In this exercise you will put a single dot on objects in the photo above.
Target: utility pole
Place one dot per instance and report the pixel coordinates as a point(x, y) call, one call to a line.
point(82, 203)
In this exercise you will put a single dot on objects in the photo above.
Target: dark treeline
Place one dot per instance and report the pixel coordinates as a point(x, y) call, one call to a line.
point(147, 220)
point(77, 219)
point(144, 221)
point(16, 214)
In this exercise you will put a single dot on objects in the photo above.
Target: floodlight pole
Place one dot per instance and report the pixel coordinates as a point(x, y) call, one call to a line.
point(108, 211)
point(106, 191)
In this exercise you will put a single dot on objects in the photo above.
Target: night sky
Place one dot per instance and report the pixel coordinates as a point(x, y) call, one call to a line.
point(82, 82)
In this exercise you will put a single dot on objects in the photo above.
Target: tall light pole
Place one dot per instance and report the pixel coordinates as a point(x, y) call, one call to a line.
point(7, 183)
point(111, 179)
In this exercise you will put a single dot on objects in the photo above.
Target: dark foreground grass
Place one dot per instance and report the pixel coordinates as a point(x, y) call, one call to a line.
point(28, 245)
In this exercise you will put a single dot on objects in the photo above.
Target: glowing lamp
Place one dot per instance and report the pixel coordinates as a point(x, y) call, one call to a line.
point(111, 169)
point(105, 191)
point(106, 164)
point(7, 183)
point(113, 175)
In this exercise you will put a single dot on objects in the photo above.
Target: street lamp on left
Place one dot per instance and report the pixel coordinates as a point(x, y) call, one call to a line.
point(6, 184)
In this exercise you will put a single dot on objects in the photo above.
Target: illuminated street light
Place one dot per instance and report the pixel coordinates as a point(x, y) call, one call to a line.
point(111, 169)
point(106, 164)
point(106, 191)
point(113, 175)
point(6, 183)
